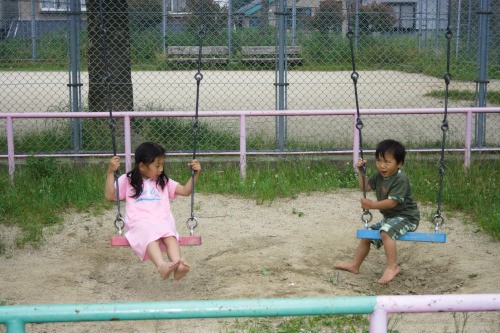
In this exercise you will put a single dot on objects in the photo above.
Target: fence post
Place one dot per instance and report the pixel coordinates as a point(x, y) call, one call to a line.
point(378, 320)
point(355, 143)
point(10, 148)
point(468, 138)
point(128, 143)
point(243, 147)
point(15, 326)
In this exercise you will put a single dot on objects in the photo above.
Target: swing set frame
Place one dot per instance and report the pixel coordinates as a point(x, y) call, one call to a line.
point(366, 216)
point(192, 221)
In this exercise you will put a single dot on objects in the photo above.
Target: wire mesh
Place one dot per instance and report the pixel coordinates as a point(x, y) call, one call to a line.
point(51, 59)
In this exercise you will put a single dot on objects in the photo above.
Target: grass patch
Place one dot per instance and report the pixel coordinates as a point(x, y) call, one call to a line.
point(311, 324)
point(321, 52)
point(44, 188)
point(266, 181)
point(456, 95)
point(473, 191)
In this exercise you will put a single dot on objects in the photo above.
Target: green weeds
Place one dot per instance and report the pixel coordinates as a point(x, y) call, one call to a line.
point(45, 188)
point(311, 324)
point(473, 191)
point(455, 95)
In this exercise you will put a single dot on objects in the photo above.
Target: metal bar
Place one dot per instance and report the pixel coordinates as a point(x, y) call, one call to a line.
point(128, 143)
point(429, 303)
point(16, 316)
point(33, 31)
point(250, 113)
point(255, 153)
point(468, 139)
point(243, 147)
point(347, 112)
point(281, 75)
point(10, 147)
point(74, 84)
point(482, 60)
point(355, 143)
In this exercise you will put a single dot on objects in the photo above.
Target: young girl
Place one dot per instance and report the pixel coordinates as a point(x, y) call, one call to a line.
point(149, 221)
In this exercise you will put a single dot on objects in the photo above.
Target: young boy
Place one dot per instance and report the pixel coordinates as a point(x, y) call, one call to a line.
point(395, 202)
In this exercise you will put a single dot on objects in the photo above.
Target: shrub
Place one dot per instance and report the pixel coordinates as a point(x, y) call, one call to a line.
point(376, 17)
point(328, 18)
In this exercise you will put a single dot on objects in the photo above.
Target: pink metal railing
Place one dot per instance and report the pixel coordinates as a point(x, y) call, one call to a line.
point(127, 116)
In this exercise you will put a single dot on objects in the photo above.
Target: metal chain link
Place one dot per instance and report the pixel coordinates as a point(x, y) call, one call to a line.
point(192, 222)
point(159, 77)
point(119, 221)
point(366, 216)
point(438, 218)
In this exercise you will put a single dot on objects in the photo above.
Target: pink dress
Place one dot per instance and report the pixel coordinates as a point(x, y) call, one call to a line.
point(148, 217)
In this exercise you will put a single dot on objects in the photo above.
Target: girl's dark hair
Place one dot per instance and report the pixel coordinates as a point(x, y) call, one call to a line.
point(392, 147)
point(146, 153)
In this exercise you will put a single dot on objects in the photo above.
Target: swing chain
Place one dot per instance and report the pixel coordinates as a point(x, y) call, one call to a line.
point(366, 216)
point(355, 77)
point(359, 124)
point(119, 221)
point(192, 222)
point(438, 219)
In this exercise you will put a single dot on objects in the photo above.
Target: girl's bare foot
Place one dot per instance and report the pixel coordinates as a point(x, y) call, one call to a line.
point(347, 266)
point(167, 268)
point(389, 274)
point(181, 270)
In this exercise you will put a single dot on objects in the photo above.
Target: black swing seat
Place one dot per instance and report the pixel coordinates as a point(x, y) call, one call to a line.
point(436, 237)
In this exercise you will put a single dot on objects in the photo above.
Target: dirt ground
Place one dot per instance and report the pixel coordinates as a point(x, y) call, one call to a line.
point(280, 250)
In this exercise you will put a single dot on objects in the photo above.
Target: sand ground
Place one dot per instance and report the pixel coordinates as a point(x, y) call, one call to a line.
point(283, 249)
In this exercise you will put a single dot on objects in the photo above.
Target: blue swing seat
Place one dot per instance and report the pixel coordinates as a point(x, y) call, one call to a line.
point(409, 236)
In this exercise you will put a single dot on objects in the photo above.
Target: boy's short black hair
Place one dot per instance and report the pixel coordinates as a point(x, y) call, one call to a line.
point(392, 147)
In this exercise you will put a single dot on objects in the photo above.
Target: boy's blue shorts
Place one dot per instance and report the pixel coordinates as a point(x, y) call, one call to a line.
point(394, 226)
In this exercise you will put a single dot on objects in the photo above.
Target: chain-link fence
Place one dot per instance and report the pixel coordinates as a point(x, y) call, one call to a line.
point(101, 55)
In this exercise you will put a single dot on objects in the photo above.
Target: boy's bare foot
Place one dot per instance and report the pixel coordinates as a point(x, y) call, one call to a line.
point(389, 274)
point(167, 268)
point(181, 270)
point(347, 266)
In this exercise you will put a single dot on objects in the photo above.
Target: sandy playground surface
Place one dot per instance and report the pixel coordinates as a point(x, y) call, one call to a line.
point(283, 249)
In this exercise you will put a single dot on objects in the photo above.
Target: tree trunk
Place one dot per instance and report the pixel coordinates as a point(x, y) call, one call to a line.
point(113, 46)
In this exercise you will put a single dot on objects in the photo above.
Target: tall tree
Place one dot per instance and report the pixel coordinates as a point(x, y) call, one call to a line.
point(117, 45)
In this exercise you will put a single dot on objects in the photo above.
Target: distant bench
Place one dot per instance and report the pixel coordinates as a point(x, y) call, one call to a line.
point(267, 54)
point(189, 54)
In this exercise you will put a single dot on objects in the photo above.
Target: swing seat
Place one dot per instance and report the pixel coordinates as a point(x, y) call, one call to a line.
point(409, 236)
point(183, 241)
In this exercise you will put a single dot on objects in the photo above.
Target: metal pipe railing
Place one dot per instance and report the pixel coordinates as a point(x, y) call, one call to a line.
point(15, 317)
point(9, 120)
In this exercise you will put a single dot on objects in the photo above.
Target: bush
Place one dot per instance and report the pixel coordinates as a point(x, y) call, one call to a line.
point(328, 18)
point(376, 17)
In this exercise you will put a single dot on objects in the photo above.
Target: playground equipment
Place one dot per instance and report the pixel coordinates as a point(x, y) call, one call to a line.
point(119, 222)
point(438, 219)
point(15, 317)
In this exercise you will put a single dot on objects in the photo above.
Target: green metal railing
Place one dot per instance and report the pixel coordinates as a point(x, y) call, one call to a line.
point(15, 317)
